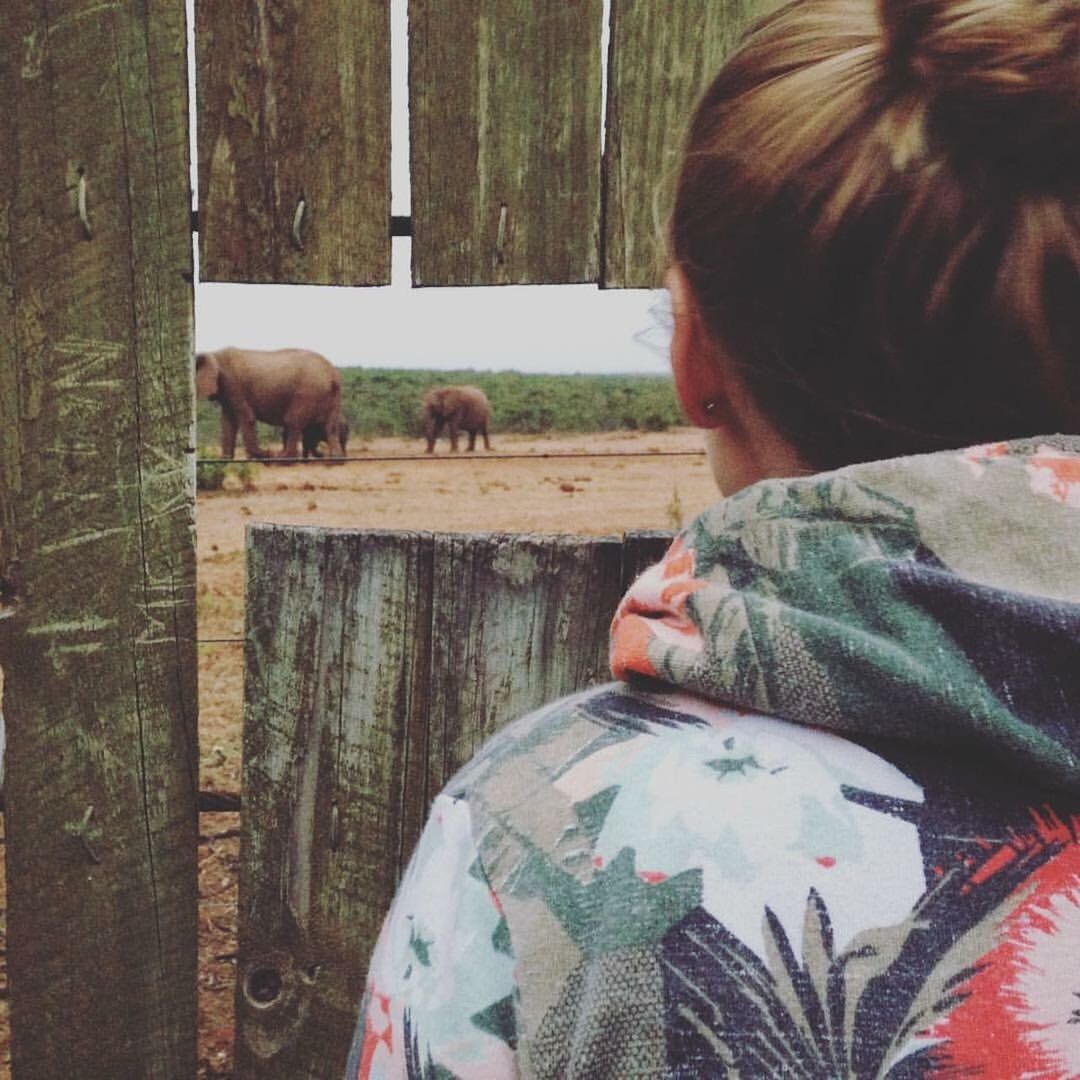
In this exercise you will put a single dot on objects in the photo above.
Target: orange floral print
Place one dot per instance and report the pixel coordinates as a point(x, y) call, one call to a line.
point(655, 610)
point(976, 457)
point(1056, 474)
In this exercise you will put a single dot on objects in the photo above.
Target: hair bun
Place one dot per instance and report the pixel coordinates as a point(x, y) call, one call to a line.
point(1001, 77)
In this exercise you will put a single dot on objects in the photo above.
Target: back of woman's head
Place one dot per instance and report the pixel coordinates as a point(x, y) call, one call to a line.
point(879, 217)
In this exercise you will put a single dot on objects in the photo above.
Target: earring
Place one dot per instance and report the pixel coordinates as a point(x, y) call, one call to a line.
point(710, 406)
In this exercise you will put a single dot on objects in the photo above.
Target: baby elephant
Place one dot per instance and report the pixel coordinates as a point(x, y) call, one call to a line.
point(314, 435)
point(457, 408)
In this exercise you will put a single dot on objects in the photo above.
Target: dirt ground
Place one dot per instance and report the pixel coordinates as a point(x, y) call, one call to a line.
point(601, 484)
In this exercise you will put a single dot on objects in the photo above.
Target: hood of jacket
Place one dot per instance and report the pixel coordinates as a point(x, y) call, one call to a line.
point(933, 598)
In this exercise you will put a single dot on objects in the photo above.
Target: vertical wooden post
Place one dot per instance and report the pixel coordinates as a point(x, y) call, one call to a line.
point(334, 707)
point(294, 141)
point(377, 663)
point(662, 57)
point(504, 121)
point(96, 541)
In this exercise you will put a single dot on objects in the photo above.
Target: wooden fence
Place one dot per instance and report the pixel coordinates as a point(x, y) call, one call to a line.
point(97, 567)
point(97, 562)
point(377, 663)
point(508, 181)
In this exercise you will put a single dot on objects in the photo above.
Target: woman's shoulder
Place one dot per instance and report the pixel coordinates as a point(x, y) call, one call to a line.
point(686, 868)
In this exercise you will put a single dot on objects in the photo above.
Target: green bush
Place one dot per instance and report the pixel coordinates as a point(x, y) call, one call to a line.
point(245, 472)
point(209, 475)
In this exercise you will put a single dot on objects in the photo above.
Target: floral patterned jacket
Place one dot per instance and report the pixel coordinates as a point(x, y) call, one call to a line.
point(684, 874)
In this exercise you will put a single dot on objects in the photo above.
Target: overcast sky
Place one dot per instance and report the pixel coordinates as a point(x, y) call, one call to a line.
point(553, 328)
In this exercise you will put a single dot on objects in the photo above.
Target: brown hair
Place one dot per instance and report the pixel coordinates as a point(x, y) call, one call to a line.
point(879, 216)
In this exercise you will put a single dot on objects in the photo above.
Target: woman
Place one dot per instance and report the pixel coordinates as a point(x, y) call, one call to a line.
point(828, 822)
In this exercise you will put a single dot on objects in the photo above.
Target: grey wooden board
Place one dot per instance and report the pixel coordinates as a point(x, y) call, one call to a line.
point(517, 621)
point(294, 105)
point(505, 111)
point(377, 664)
point(662, 56)
point(97, 561)
point(335, 677)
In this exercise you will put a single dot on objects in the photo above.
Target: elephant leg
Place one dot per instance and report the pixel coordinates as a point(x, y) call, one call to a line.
point(433, 429)
point(472, 440)
point(334, 448)
point(246, 421)
point(228, 435)
point(293, 436)
point(487, 441)
point(453, 425)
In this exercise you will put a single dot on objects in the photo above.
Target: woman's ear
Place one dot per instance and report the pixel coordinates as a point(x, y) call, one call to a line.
point(698, 380)
point(743, 444)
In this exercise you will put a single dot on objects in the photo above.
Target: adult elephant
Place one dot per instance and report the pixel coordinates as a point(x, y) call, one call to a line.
point(457, 408)
point(290, 388)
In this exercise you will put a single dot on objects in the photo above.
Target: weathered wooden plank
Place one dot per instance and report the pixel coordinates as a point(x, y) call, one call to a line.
point(96, 539)
point(517, 621)
point(377, 663)
point(335, 710)
point(294, 141)
point(661, 58)
point(504, 110)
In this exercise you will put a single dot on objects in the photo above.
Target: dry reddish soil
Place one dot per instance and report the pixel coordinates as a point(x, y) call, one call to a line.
point(589, 485)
